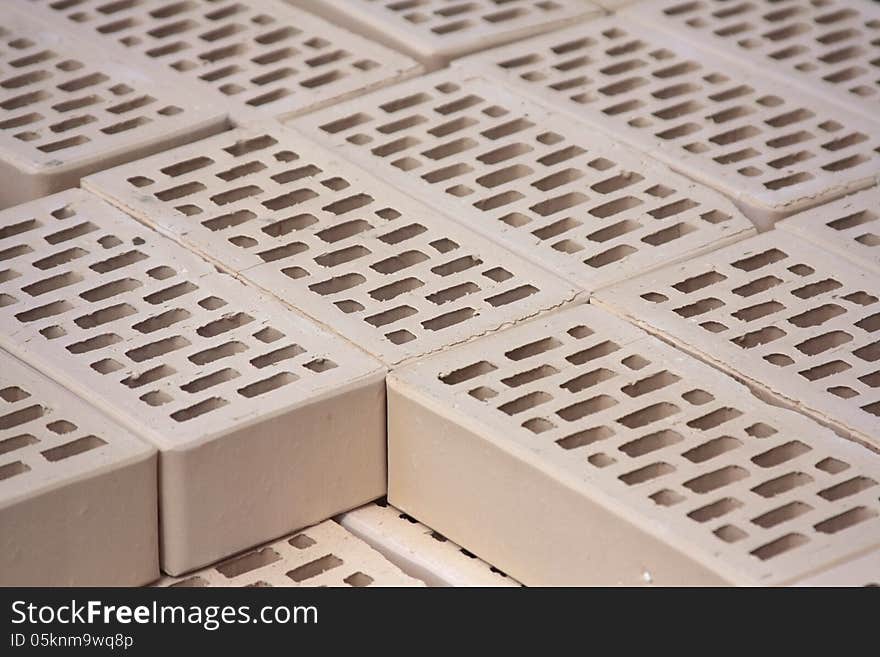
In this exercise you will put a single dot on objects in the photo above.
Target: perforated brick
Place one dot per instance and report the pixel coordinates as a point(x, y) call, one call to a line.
point(78, 503)
point(322, 555)
point(435, 31)
point(390, 274)
point(772, 148)
point(580, 204)
point(861, 571)
point(254, 57)
point(582, 437)
point(850, 226)
point(781, 313)
point(239, 393)
point(67, 110)
point(828, 47)
point(418, 550)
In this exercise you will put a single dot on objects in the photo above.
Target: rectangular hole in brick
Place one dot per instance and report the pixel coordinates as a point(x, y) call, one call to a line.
point(224, 324)
point(582, 409)
point(529, 376)
point(210, 380)
point(782, 484)
point(17, 442)
point(599, 351)
point(846, 520)
point(96, 342)
point(9, 470)
point(717, 479)
point(163, 320)
point(268, 385)
point(392, 290)
point(782, 514)
point(647, 473)
point(586, 437)
point(158, 348)
point(42, 312)
point(533, 349)
point(715, 509)
point(780, 546)
point(823, 343)
point(172, 292)
point(52, 283)
point(396, 263)
point(196, 410)
point(248, 562)
point(587, 380)
point(651, 443)
point(73, 448)
point(276, 356)
point(467, 373)
point(525, 403)
point(650, 384)
point(216, 353)
point(315, 568)
point(649, 414)
point(150, 376)
point(847, 488)
point(60, 258)
point(110, 314)
point(449, 319)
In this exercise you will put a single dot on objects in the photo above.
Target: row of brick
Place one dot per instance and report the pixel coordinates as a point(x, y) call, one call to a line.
point(755, 494)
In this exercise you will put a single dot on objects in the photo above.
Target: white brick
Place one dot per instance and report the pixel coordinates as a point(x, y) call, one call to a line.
point(577, 449)
point(78, 501)
point(388, 273)
point(783, 314)
point(435, 31)
point(322, 555)
point(67, 110)
point(529, 178)
point(419, 550)
point(827, 48)
point(254, 57)
point(766, 144)
point(264, 421)
point(849, 226)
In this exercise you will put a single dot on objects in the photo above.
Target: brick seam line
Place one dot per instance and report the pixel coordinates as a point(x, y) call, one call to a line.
point(759, 390)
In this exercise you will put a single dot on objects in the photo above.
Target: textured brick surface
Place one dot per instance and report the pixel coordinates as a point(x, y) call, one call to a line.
point(71, 477)
point(849, 226)
point(581, 436)
point(322, 555)
point(861, 571)
point(779, 312)
point(418, 550)
point(236, 390)
point(576, 202)
point(67, 110)
point(392, 275)
point(435, 31)
point(827, 47)
point(253, 57)
point(766, 144)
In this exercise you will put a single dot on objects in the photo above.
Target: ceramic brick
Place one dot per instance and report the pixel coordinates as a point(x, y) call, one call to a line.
point(782, 314)
point(420, 551)
point(769, 146)
point(254, 57)
point(827, 47)
point(390, 274)
point(67, 110)
point(580, 436)
point(322, 555)
point(861, 571)
point(579, 204)
point(435, 31)
point(239, 393)
point(78, 501)
point(850, 226)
